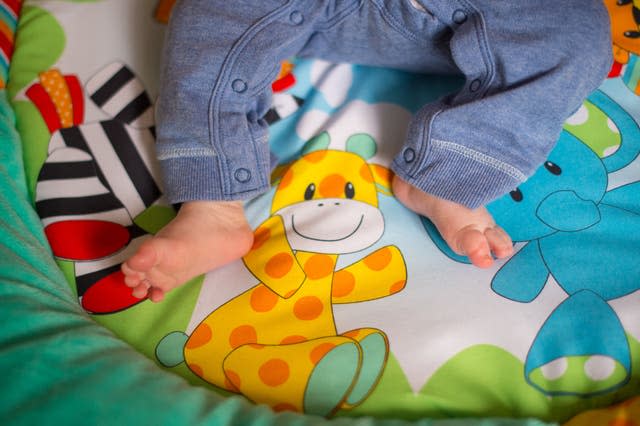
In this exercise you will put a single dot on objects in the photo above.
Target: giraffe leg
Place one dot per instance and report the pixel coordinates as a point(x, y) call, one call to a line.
point(375, 350)
point(312, 376)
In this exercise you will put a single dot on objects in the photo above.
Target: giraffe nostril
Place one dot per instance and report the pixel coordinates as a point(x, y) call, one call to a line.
point(320, 204)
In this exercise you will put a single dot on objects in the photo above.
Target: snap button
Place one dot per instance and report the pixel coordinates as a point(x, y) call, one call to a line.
point(475, 85)
point(409, 155)
point(238, 86)
point(459, 16)
point(296, 17)
point(242, 175)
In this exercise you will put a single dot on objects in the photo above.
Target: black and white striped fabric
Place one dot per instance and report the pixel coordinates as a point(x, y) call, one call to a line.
point(119, 93)
point(284, 105)
point(96, 169)
point(102, 173)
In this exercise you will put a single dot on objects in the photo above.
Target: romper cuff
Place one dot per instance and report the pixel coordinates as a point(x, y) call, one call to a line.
point(459, 174)
point(200, 178)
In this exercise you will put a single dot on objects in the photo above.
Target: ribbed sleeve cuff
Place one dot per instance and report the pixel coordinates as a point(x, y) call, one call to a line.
point(201, 178)
point(459, 174)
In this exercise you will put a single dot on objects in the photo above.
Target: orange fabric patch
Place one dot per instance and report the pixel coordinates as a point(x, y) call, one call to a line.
point(200, 336)
point(274, 372)
point(332, 186)
point(308, 308)
point(343, 284)
point(397, 287)
point(262, 299)
point(242, 335)
point(279, 265)
point(378, 260)
point(318, 266)
point(232, 380)
point(260, 236)
point(365, 173)
point(315, 157)
point(286, 179)
point(319, 351)
point(289, 340)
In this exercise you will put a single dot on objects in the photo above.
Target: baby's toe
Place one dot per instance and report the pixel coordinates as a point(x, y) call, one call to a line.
point(473, 244)
point(141, 290)
point(499, 242)
point(156, 295)
point(144, 258)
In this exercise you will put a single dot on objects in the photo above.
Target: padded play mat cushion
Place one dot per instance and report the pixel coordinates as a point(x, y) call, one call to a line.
point(356, 307)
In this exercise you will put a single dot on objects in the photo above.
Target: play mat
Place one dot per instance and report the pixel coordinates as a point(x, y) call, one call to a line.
point(356, 310)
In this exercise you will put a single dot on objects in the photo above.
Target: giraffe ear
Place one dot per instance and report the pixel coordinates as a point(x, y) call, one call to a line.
point(317, 143)
point(362, 144)
point(382, 176)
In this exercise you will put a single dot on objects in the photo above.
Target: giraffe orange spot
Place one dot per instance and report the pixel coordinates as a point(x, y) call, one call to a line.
point(384, 175)
point(318, 266)
point(260, 236)
point(289, 340)
point(200, 336)
point(332, 186)
point(343, 284)
point(274, 372)
point(351, 334)
point(262, 299)
point(308, 308)
point(283, 407)
point(197, 370)
point(242, 335)
point(279, 265)
point(232, 380)
point(378, 260)
point(365, 173)
point(316, 156)
point(286, 179)
point(622, 421)
point(319, 351)
point(397, 287)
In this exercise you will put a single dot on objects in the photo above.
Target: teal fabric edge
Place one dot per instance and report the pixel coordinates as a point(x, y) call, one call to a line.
point(61, 367)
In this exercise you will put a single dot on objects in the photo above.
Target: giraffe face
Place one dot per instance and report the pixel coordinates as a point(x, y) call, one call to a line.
point(329, 204)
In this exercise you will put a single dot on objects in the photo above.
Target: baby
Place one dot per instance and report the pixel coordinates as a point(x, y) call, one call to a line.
point(528, 66)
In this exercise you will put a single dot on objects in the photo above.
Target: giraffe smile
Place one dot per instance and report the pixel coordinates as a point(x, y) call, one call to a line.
point(293, 227)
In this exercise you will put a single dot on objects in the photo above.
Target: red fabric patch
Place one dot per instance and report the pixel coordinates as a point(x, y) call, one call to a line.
point(86, 239)
point(109, 295)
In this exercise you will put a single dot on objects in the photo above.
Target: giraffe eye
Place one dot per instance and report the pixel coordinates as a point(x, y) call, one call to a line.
point(516, 195)
point(349, 190)
point(308, 193)
point(553, 168)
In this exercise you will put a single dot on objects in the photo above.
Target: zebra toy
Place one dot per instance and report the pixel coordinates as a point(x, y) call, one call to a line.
point(100, 177)
point(97, 179)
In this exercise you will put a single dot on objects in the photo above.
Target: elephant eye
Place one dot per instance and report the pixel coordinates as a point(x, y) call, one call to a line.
point(349, 190)
point(516, 195)
point(553, 168)
point(308, 193)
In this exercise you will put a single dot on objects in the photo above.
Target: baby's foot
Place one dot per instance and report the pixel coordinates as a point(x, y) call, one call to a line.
point(204, 235)
point(471, 233)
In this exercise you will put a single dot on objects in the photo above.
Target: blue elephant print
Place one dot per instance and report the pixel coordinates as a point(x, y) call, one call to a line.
point(585, 236)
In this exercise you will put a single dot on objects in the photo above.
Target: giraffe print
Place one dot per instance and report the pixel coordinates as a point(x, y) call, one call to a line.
point(277, 342)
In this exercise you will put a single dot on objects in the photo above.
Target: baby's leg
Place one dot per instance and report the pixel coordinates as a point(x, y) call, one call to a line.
point(204, 235)
point(471, 233)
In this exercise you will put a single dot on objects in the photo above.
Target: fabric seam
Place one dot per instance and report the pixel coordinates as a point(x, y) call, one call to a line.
point(479, 157)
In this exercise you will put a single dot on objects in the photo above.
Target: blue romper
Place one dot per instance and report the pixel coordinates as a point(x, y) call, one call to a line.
point(528, 65)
